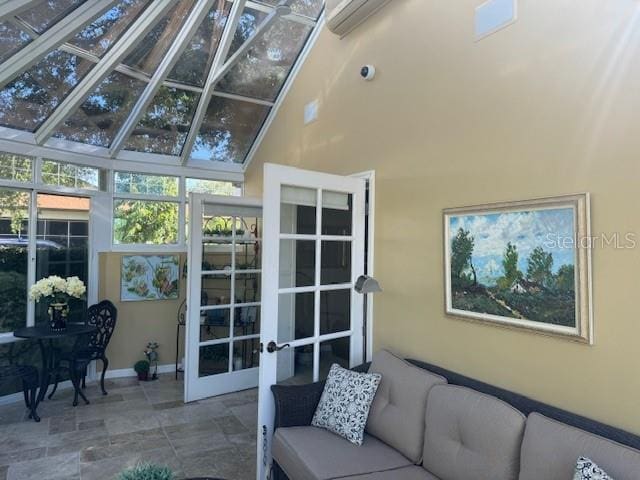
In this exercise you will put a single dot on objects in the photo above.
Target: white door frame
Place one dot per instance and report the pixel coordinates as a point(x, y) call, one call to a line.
point(274, 177)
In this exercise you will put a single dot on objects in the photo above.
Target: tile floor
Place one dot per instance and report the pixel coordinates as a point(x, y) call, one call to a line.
point(136, 422)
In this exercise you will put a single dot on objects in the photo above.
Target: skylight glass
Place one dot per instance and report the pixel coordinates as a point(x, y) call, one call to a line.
point(166, 123)
point(247, 26)
point(12, 39)
point(105, 31)
point(228, 130)
point(49, 12)
point(97, 121)
point(308, 8)
point(151, 50)
point(27, 101)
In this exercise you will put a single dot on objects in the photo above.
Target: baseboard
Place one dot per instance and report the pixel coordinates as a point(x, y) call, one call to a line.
point(130, 372)
point(19, 396)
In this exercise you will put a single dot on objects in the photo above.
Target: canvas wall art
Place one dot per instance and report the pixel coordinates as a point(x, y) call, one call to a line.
point(522, 264)
point(149, 277)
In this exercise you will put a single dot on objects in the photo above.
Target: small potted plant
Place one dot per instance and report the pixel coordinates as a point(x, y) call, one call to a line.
point(147, 471)
point(142, 369)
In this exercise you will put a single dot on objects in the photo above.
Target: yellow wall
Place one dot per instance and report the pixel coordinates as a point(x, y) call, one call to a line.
point(547, 106)
point(138, 322)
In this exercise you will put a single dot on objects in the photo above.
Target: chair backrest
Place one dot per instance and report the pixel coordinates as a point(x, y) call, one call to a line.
point(103, 316)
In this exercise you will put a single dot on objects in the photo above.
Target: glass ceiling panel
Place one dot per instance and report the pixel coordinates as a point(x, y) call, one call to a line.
point(194, 64)
point(265, 67)
point(97, 121)
point(148, 53)
point(250, 20)
point(97, 37)
point(49, 12)
point(166, 123)
point(308, 8)
point(27, 101)
point(12, 39)
point(228, 130)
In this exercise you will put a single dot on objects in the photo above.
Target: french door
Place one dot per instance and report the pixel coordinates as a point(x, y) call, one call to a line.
point(223, 295)
point(313, 254)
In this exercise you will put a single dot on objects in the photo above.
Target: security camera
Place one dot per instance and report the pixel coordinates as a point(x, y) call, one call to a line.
point(368, 72)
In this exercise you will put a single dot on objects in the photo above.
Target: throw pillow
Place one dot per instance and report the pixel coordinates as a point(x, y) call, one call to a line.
point(587, 469)
point(345, 403)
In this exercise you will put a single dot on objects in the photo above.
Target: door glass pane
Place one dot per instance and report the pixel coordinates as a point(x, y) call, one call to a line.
point(295, 365)
point(334, 351)
point(216, 256)
point(336, 262)
point(247, 321)
point(248, 255)
point(246, 354)
point(335, 311)
point(218, 227)
point(295, 316)
point(297, 263)
point(215, 324)
point(337, 213)
point(14, 258)
point(214, 359)
point(248, 228)
point(216, 289)
point(63, 246)
point(298, 210)
point(247, 287)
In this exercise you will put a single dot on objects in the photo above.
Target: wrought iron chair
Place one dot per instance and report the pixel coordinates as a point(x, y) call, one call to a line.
point(103, 316)
point(27, 374)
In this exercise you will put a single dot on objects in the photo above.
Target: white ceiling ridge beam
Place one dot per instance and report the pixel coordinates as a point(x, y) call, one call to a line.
point(52, 38)
point(220, 67)
point(143, 24)
point(15, 7)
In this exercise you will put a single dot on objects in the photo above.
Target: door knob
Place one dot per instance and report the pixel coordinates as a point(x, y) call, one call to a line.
point(273, 347)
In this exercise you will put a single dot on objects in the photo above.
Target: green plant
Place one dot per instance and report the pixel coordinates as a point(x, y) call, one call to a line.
point(142, 366)
point(147, 471)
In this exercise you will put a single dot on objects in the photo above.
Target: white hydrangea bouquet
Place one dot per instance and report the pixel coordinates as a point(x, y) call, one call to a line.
point(58, 291)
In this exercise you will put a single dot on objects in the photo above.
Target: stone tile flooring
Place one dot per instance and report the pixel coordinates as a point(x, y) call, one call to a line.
point(136, 422)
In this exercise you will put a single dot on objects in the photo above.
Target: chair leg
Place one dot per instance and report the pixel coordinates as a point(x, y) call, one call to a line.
point(33, 402)
point(78, 373)
point(55, 385)
point(84, 379)
point(76, 387)
point(105, 365)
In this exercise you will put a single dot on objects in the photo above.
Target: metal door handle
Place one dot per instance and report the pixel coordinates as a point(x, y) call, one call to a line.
point(273, 347)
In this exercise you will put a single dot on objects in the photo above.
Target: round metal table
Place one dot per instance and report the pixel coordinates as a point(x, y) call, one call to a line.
point(46, 339)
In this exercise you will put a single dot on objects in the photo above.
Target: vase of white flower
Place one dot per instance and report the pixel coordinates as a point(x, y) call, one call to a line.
point(58, 291)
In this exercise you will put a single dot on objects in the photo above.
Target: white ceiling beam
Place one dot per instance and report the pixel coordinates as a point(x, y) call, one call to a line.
point(15, 7)
point(185, 34)
point(143, 24)
point(52, 38)
point(220, 67)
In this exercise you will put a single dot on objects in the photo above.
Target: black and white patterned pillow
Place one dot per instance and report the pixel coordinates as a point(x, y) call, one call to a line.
point(345, 403)
point(587, 469)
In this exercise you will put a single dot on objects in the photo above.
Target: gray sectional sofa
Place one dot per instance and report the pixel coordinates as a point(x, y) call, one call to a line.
point(422, 427)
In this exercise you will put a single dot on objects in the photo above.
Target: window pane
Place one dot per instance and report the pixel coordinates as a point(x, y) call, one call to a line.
point(247, 287)
point(101, 115)
point(59, 253)
point(126, 182)
point(216, 324)
point(214, 359)
point(246, 354)
point(297, 263)
point(14, 258)
point(149, 52)
point(336, 262)
point(249, 22)
point(228, 130)
point(262, 71)
point(308, 8)
point(335, 311)
point(144, 222)
point(194, 63)
point(12, 39)
point(214, 187)
point(69, 175)
point(15, 167)
point(29, 99)
point(337, 213)
point(104, 31)
point(47, 13)
point(296, 316)
point(247, 321)
point(216, 290)
point(166, 123)
point(334, 351)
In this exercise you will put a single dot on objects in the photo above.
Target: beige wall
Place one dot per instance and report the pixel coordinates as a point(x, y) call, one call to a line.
point(548, 106)
point(138, 322)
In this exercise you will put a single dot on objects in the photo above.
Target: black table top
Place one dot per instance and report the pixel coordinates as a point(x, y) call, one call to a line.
point(44, 332)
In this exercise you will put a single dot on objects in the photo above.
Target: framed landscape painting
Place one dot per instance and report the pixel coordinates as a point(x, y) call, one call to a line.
point(524, 264)
point(149, 277)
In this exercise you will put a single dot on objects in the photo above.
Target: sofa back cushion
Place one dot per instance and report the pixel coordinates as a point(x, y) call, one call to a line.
point(471, 435)
point(397, 413)
point(550, 450)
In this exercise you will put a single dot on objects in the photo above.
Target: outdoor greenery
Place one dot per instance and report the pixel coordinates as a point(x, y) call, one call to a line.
point(147, 471)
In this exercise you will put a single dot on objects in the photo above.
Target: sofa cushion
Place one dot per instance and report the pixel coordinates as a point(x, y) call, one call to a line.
point(405, 473)
point(308, 453)
point(397, 413)
point(471, 435)
point(550, 450)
